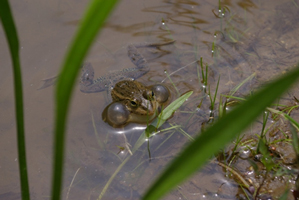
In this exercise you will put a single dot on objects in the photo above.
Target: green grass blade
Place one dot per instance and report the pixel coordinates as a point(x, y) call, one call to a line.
point(13, 42)
point(236, 88)
point(217, 136)
point(92, 21)
point(163, 116)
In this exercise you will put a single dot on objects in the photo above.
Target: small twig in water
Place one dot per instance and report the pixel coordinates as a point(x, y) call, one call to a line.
point(68, 192)
point(179, 69)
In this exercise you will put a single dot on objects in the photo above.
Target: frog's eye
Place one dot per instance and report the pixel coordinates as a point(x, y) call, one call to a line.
point(133, 103)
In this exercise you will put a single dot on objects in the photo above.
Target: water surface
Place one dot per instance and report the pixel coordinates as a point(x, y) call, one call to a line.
point(251, 37)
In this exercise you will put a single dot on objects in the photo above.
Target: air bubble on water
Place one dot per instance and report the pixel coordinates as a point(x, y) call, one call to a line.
point(165, 71)
point(212, 51)
point(222, 14)
point(219, 11)
point(215, 36)
point(163, 23)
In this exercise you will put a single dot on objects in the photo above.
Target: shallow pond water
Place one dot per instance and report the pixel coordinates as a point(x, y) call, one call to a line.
point(251, 37)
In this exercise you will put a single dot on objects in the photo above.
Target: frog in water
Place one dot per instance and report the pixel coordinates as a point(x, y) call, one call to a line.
point(131, 100)
point(134, 102)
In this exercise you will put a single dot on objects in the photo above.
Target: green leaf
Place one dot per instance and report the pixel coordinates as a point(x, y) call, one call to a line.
point(13, 42)
point(163, 116)
point(217, 136)
point(266, 159)
point(92, 21)
point(149, 130)
point(170, 109)
point(295, 140)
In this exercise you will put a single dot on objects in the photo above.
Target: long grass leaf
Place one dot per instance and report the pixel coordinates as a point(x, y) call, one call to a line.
point(217, 136)
point(94, 18)
point(13, 42)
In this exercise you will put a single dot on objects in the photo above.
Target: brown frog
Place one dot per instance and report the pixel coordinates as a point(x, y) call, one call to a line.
point(134, 102)
point(131, 100)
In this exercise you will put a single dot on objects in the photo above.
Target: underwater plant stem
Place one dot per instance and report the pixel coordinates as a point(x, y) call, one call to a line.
point(234, 172)
point(7, 22)
point(112, 177)
point(68, 191)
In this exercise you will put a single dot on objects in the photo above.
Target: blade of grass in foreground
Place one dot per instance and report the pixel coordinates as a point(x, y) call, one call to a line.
point(13, 42)
point(218, 135)
point(94, 18)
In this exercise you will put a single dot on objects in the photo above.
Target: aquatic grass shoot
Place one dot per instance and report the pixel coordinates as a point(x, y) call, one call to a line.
point(263, 133)
point(100, 143)
point(204, 75)
point(212, 101)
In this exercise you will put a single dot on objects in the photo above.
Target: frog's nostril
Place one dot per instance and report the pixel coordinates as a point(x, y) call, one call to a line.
point(149, 95)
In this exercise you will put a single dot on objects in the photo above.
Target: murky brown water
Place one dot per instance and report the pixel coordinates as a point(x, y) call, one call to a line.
point(257, 37)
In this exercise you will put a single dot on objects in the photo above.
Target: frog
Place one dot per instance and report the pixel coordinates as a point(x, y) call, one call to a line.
point(132, 101)
point(135, 102)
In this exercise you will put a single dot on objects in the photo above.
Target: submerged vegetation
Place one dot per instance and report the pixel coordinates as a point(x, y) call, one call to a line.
point(271, 152)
